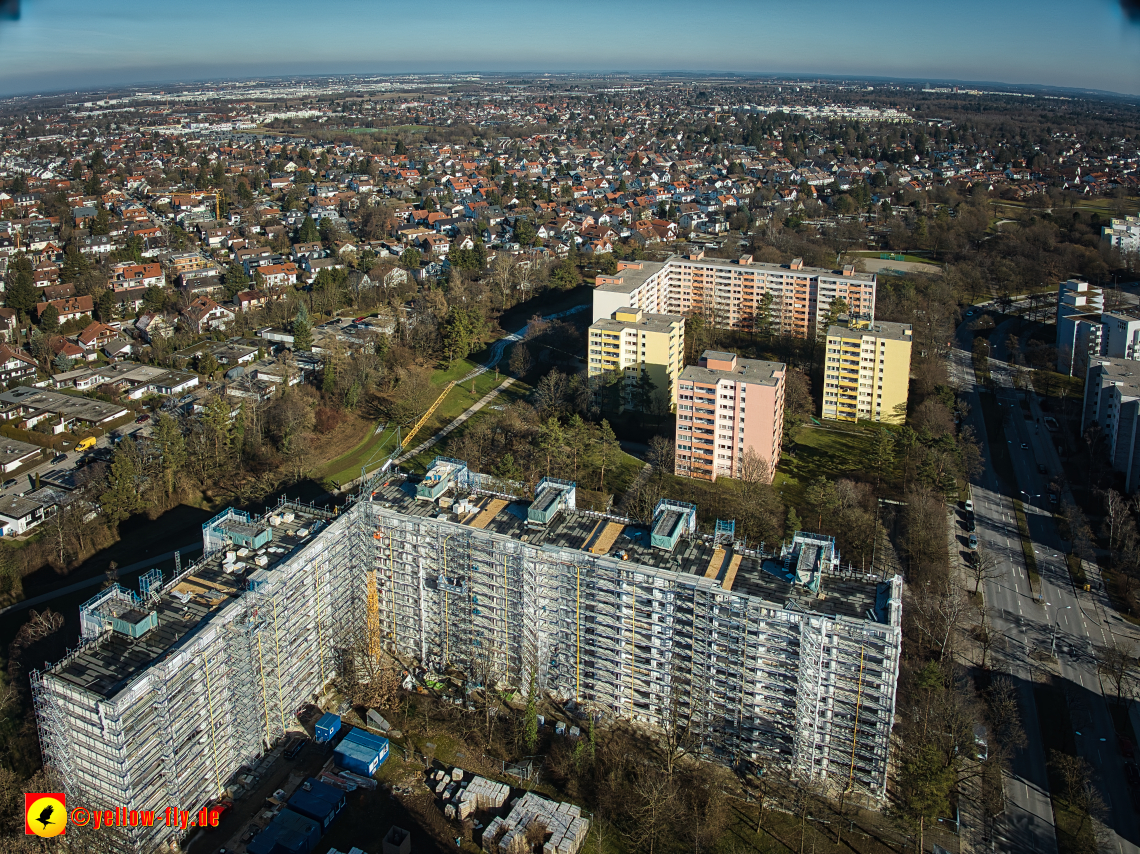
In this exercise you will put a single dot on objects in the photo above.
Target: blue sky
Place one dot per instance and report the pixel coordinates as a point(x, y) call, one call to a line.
point(69, 44)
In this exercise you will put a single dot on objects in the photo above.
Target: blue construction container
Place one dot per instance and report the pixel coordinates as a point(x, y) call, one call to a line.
point(326, 727)
point(319, 801)
point(289, 833)
point(361, 752)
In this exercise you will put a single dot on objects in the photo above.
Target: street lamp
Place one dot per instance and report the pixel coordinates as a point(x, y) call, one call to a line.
point(1056, 623)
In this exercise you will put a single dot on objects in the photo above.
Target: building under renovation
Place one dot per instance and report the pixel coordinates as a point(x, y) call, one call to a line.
point(769, 656)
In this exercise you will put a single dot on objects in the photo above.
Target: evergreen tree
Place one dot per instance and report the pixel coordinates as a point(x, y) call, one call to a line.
point(21, 292)
point(308, 233)
point(792, 523)
point(302, 331)
point(49, 319)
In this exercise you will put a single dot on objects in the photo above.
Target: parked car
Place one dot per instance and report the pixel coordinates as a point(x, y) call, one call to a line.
point(142, 419)
point(969, 506)
point(1041, 468)
point(1052, 498)
point(971, 523)
point(58, 458)
point(250, 832)
point(973, 541)
point(10, 482)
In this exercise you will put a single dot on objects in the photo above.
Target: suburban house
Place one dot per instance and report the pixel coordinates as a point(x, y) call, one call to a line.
point(15, 365)
point(69, 309)
point(125, 276)
point(203, 314)
point(95, 336)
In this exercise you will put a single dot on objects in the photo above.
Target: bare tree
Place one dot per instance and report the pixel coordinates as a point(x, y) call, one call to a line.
point(1118, 665)
point(983, 565)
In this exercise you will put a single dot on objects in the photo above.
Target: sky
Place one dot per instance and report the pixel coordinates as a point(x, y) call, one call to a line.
point(57, 45)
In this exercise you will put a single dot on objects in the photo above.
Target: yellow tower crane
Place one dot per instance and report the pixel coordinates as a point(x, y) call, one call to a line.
point(373, 608)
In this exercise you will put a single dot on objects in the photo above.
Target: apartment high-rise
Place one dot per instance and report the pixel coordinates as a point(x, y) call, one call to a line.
point(1079, 332)
point(1123, 234)
point(782, 657)
point(1112, 401)
point(732, 293)
point(726, 408)
point(866, 372)
point(638, 344)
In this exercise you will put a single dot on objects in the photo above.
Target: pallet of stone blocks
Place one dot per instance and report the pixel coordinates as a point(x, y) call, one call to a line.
point(461, 798)
point(561, 824)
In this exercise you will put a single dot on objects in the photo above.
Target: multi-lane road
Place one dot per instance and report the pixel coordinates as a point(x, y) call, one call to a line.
point(1080, 621)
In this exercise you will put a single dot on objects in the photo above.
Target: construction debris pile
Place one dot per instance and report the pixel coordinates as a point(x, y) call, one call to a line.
point(532, 820)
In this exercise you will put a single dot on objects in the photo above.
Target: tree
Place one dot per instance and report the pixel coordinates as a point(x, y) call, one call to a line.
point(882, 452)
point(302, 331)
point(235, 280)
point(49, 319)
point(608, 449)
point(983, 565)
point(1118, 666)
point(411, 258)
point(123, 496)
point(460, 331)
point(20, 292)
point(762, 320)
point(308, 232)
point(820, 495)
point(792, 523)
point(520, 362)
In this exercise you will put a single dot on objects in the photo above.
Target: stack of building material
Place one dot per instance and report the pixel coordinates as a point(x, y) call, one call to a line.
point(561, 821)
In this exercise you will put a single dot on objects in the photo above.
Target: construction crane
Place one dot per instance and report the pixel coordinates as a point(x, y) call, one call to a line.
point(373, 608)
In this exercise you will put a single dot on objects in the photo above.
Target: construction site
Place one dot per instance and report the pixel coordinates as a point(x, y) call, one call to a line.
point(780, 656)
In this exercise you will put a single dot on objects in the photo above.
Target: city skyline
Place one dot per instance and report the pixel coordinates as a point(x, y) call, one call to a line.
point(56, 45)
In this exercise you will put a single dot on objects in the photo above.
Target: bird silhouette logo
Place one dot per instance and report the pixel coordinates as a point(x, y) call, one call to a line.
point(45, 814)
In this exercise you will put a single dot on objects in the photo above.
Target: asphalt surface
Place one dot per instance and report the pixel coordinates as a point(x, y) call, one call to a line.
point(1082, 621)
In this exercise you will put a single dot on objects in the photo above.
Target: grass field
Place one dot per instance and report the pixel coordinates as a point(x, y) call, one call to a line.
point(376, 447)
point(917, 259)
point(830, 452)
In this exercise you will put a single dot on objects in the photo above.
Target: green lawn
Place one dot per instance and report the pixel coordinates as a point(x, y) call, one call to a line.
point(828, 451)
point(917, 259)
point(375, 448)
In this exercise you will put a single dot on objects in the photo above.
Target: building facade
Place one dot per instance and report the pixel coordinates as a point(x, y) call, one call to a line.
point(866, 375)
point(782, 658)
point(1112, 402)
point(730, 418)
point(1123, 234)
point(1079, 308)
point(785, 299)
point(638, 344)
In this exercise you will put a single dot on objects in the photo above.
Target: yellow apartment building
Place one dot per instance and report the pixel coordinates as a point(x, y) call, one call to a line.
point(867, 371)
point(634, 342)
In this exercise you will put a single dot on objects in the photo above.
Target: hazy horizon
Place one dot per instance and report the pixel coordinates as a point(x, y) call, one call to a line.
point(60, 45)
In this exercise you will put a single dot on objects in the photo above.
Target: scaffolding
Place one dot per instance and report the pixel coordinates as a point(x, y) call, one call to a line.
point(172, 693)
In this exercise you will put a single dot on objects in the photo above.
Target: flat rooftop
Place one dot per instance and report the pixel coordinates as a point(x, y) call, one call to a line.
point(753, 371)
point(82, 408)
point(877, 329)
point(12, 450)
point(573, 530)
point(105, 667)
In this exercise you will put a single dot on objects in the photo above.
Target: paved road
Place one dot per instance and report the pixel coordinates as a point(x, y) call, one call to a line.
point(459, 419)
point(26, 481)
point(1082, 622)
